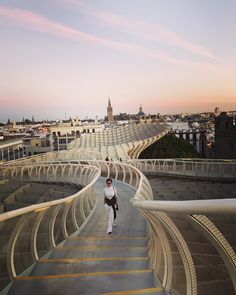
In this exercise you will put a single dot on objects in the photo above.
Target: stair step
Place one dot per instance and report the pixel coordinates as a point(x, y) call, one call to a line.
point(125, 241)
point(92, 252)
point(78, 275)
point(98, 248)
point(89, 283)
point(67, 266)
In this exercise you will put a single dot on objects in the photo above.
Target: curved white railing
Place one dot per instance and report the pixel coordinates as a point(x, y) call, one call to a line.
point(56, 156)
point(163, 226)
point(201, 215)
point(22, 229)
point(164, 218)
point(171, 225)
point(167, 237)
point(218, 169)
point(205, 160)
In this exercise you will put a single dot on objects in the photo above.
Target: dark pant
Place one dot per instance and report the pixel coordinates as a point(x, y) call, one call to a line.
point(111, 202)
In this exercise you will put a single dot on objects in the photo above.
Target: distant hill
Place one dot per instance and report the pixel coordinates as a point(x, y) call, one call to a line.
point(169, 146)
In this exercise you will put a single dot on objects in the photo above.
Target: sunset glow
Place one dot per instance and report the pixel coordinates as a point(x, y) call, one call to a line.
point(62, 58)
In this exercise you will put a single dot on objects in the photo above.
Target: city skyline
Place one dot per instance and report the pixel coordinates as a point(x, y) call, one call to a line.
point(69, 56)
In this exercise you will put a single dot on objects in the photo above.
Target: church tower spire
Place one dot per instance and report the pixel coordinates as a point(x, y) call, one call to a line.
point(109, 111)
point(141, 112)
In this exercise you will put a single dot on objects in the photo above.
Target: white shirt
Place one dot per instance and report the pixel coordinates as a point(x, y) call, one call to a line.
point(109, 192)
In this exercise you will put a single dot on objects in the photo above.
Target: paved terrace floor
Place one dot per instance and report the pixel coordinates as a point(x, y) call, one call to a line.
point(94, 262)
point(171, 188)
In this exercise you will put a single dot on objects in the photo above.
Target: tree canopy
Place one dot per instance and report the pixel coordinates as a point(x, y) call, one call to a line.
point(169, 146)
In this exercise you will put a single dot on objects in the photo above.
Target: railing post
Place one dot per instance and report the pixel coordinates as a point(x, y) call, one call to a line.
point(33, 240)
point(196, 169)
point(64, 219)
point(184, 168)
point(11, 246)
point(153, 166)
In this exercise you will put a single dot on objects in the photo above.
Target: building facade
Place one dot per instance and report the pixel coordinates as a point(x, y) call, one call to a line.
point(196, 137)
point(225, 137)
point(36, 144)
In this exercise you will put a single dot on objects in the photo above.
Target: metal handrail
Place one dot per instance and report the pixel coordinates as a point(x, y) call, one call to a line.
point(217, 169)
point(209, 207)
point(18, 212)
point(161, 224)
point(38, 214)
point(158, 215)
point(61, 155)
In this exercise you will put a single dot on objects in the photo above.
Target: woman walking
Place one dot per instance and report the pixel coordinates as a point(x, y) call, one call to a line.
point(111, 205)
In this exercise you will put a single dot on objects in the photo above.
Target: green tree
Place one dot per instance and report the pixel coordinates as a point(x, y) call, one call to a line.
point(169, 146)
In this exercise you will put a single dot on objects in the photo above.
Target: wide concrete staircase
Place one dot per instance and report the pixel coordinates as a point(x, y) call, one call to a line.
point(93, 262)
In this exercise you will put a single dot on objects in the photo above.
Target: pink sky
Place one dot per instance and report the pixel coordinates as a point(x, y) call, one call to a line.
point(59, 56)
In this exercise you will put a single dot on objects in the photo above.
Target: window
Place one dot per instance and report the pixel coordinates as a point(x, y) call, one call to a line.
point(62, 140)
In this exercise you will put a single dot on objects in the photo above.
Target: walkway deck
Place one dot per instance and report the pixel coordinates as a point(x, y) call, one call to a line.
point(94, 262)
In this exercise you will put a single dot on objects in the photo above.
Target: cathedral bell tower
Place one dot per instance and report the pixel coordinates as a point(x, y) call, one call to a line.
point(109, 111)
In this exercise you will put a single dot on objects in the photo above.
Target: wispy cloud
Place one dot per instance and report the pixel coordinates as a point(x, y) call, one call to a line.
point(153, 32)
point(142, 29)
point(37, 22)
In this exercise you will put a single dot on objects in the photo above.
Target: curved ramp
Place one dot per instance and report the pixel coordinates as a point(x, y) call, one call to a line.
point(93, 262)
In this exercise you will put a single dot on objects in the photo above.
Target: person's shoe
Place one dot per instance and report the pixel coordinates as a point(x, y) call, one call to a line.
point(109, 232)
point(114, 224)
